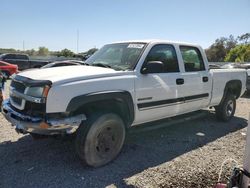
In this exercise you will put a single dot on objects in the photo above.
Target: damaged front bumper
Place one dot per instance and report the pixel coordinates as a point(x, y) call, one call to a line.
point(53, 126)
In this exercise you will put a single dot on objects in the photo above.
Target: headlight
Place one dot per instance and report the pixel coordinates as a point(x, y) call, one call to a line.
point(35, 91)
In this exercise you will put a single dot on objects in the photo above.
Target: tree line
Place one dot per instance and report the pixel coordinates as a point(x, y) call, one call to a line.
point(232, 49)
point(43, 51)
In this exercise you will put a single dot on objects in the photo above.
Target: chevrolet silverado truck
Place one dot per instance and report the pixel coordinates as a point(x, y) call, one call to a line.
point(122, 85)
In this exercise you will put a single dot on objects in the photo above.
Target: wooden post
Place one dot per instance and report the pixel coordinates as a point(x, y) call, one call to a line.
point(246, 163)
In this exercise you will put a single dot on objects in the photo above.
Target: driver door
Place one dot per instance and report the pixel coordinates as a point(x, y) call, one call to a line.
point(157, 94)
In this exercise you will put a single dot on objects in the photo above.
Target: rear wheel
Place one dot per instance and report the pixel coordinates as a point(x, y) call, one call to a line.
point(100, 139)
point(225, 111)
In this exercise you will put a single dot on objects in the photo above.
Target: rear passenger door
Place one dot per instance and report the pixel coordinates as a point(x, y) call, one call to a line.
point(196, 89)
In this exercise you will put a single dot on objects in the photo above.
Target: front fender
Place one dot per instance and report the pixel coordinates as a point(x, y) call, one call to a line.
point(121, 96)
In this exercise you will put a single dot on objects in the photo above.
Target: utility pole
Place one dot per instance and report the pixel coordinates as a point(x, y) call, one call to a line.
point(23, 46)
point(77, 41)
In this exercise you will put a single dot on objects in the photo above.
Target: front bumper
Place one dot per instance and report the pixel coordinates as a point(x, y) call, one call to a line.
point(28, 124)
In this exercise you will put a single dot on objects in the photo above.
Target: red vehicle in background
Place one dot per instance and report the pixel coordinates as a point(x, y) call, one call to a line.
point(8, 68)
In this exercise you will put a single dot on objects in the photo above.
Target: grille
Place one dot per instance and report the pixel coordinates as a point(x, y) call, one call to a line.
point(23, 106)
point(32, 109)
point(16, 100)
point(18, 86)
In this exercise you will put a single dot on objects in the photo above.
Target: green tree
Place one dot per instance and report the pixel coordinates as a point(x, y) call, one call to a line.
point(241, 53)
point(31, 52)
point(87, 54)
point(245, 38)
point(219, 49)
point(43, 51)
point(8, 50)
point(66, 53)
point(91, 51)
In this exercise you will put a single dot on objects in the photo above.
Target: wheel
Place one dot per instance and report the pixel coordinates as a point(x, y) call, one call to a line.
point(225, 111)
point(100, 139)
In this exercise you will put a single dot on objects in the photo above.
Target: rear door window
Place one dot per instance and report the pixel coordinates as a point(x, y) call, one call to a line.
point(192, 59)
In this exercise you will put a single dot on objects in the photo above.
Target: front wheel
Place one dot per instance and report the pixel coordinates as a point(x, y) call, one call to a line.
point(100, 139)
point(225, 111)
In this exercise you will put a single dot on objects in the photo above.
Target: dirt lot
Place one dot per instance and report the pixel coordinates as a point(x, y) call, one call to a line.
point(182, 155)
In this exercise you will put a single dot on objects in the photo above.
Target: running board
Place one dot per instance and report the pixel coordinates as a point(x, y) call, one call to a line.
point(168, 121)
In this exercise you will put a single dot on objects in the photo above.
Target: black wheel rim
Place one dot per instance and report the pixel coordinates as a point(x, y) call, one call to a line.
point(229, 108)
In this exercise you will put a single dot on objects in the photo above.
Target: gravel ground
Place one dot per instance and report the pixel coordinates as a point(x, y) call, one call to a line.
point(182, 155)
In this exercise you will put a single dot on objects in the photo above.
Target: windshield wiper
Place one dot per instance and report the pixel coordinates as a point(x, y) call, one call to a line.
point(102, 65)
point(83, 63)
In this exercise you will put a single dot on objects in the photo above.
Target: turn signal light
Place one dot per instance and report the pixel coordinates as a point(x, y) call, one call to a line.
point(44, 125)
point(46, 91)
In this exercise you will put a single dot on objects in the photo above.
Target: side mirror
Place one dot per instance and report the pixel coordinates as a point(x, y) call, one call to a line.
point(153, 67)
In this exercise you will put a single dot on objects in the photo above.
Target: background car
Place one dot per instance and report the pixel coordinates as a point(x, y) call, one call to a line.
point(8, 69)
point(233, 65)
point(214, 66)
point(246, 66)
point(23, 61)
point(63, 63)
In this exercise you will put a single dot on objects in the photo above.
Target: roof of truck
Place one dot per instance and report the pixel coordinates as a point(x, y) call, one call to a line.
point(155, 41)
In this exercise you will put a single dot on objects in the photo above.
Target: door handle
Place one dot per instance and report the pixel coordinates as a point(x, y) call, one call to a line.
point(205, 79)
point(179, 81)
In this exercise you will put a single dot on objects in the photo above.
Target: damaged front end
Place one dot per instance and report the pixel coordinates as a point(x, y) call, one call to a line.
point(45, 126)
point(26, 109)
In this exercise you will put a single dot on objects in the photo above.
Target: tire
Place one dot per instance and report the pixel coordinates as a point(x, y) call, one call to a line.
point(100, 139)
point(225, 111)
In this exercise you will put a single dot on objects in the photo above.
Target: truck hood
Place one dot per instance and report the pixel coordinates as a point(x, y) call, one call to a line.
point(68, 73)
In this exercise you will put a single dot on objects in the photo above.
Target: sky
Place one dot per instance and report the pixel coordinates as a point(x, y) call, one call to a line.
point(54, 23)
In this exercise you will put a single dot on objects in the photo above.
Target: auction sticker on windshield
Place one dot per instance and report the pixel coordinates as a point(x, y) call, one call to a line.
point(135, 46)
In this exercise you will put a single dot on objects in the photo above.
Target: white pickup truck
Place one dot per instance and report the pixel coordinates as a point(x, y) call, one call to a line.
point(124, 84)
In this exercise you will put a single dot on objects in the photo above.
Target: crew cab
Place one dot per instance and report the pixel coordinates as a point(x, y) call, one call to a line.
point(122, 85)
point(22, 61)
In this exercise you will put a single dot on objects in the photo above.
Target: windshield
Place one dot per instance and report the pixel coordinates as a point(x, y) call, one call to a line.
point(121, 56)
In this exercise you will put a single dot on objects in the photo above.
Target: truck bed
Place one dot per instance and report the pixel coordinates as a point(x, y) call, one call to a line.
point(220, 78)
